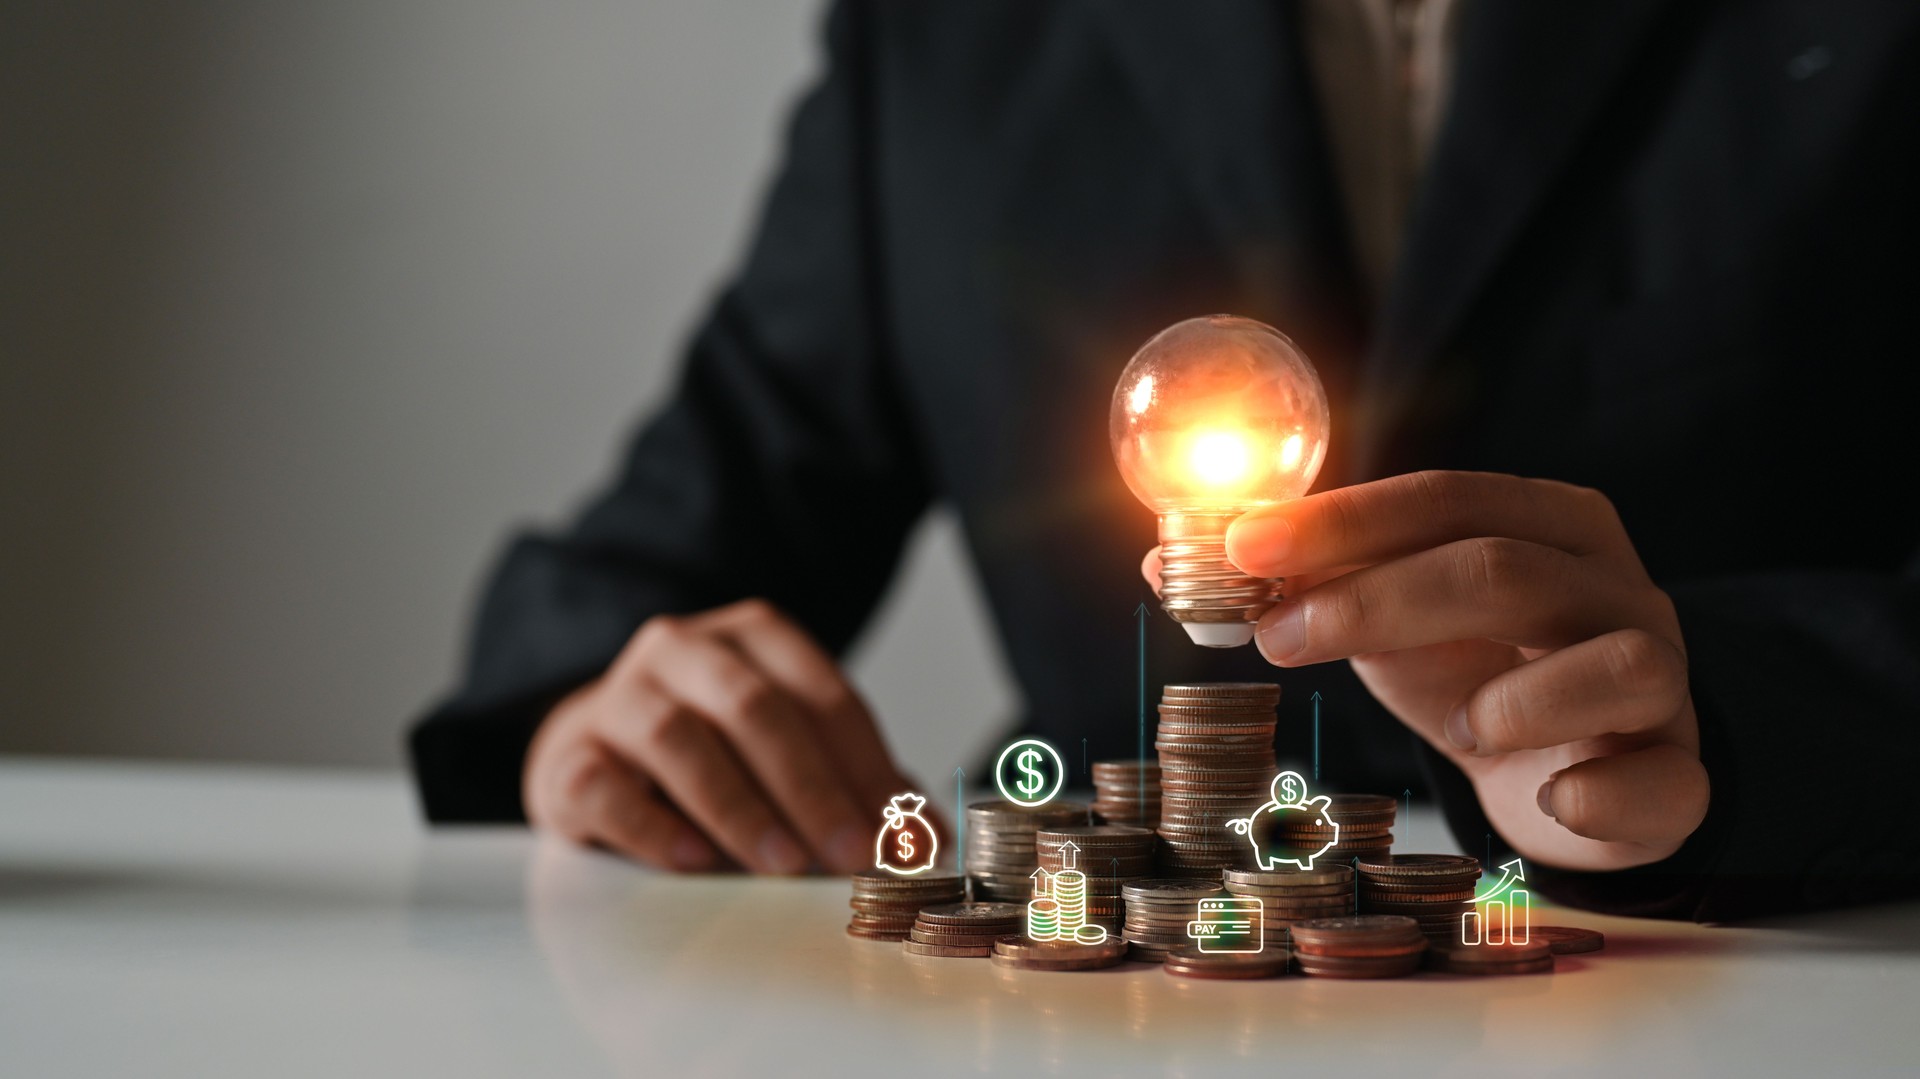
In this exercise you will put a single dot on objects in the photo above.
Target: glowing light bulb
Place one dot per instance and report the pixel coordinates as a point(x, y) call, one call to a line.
point(1211, 418)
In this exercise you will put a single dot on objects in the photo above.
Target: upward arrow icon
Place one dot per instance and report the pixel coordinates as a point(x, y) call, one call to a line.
point(1069, 854)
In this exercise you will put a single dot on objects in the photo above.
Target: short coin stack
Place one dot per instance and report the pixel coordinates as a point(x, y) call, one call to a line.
point(1288, 896)
point(1432, 889)
point(1366, 828)
point(1019, 953)
point(1454, 957)
point(1127, 792)
point(885, 905)
point(1108, 854)
point(962, 930)
point(1215, 741)
point(1158, 912)
point(1000, 852)
point(1188, 961)
point(1362, 946)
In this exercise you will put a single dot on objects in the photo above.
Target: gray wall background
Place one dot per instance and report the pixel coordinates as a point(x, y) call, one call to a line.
point(303, 305)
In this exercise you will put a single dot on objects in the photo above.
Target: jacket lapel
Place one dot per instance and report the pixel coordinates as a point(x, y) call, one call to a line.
point(1530, 78)
point(1226, 85)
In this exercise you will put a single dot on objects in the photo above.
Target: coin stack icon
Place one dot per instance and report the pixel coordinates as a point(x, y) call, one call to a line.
point(1158, 911)
point(1000, 856)
point(1215, 741)
point(1290, 896)
point(1432, 889)
point(1127, 792)
point(1105, 856)
point(885, 905)
point(1365, 828)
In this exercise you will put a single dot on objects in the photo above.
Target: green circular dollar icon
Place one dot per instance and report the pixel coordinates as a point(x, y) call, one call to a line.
point(1029, 773)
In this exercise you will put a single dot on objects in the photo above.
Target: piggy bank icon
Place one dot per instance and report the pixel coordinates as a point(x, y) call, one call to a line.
point(1290, 828)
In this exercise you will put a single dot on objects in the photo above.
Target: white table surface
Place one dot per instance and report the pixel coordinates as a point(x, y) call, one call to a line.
point(228, 921)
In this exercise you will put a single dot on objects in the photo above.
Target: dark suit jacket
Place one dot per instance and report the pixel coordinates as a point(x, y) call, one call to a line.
point(1665, 248)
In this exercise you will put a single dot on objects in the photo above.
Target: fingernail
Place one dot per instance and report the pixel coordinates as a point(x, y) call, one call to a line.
point(848, 849)
point(691, 853)
point(1256, 544)
point(1283, 632)
point(779, 854)
point(1457, 731)
point(1545, 797)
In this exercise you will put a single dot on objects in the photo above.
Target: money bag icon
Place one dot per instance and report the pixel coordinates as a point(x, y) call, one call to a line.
point(907, 843)
point(1290, 828)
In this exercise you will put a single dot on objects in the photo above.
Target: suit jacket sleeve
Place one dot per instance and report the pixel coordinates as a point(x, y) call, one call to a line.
point(783, 466)
point(1808, 688)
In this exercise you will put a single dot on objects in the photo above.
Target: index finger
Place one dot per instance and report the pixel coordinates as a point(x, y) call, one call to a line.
point(1394, 517)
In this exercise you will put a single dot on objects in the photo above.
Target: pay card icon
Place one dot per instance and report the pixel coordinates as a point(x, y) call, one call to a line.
point(1230, 924)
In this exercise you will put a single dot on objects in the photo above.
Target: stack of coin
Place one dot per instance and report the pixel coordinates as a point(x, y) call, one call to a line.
point(1288, 896)
point(1454, 957)
point(1188, 961)
point(1000, 852)
point(1157, 913)
point(962, 930)
point(1432, 889)
point(885, 905)
point(1216, 764)
point(1109, 854)
point(1366, 828)
point(1127, 792)
point(1362, 946)
point(1019, 953)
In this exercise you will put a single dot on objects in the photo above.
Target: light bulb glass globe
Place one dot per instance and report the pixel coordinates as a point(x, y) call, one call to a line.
point(1213, 417)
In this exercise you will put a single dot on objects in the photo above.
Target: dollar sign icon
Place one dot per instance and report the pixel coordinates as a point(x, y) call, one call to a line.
point(1289, 789)
point(1030, 780)
point(905, 843)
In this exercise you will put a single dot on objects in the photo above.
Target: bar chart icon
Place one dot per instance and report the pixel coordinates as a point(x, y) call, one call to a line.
point(1503, 913)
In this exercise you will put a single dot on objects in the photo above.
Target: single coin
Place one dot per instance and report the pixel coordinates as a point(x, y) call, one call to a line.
point(1569, 940)
point(1170, 888)
point(1458, 953)
point(875, 934)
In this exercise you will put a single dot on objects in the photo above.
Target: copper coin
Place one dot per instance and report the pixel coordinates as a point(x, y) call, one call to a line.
point(1189, 961)
point(1338, 967)
point(1401, 866)
point(1569, 940)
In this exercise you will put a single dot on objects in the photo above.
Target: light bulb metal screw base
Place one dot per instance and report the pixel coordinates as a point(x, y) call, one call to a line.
point(1211, 599)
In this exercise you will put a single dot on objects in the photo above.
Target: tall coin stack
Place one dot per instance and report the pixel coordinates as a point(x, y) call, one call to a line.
point(1127, 792)
point(1000, 850)
point(1216, 763)
point(1366, 828)
point(1158, 912)
point(1432, 889)
point(1290, 896)
point(1110, 855)
point(885, 905)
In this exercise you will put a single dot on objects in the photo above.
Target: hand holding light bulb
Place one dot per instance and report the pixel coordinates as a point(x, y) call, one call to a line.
point(1213, 417)
point(1509, 623)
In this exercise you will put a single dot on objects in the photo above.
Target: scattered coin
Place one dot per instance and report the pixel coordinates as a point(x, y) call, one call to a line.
point(1569, 940)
